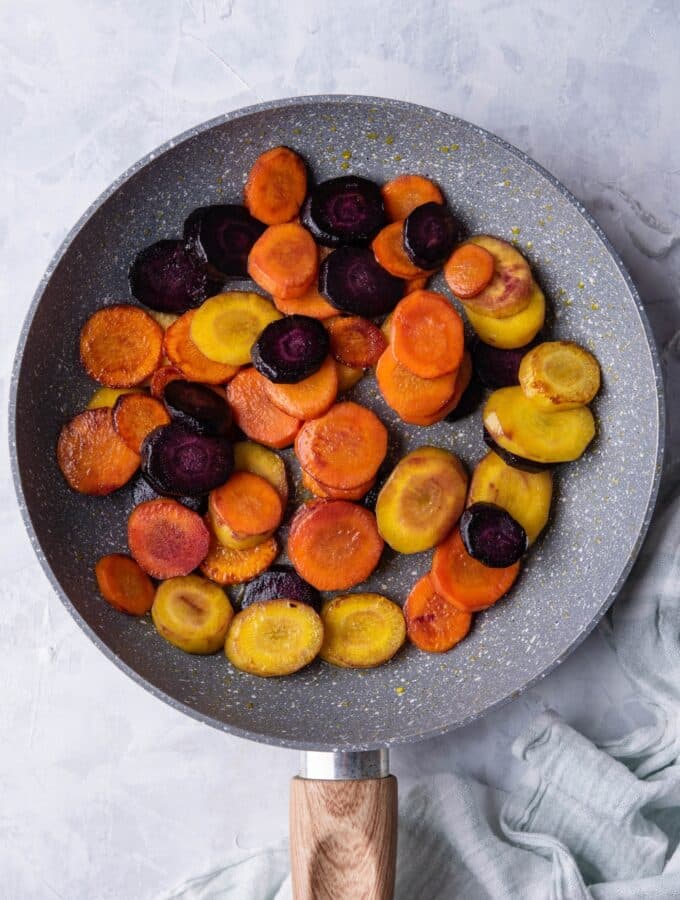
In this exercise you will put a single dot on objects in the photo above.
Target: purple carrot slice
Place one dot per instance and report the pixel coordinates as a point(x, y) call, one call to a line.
point(291, 349)
point(166, 277)
point(280, 583)
point(177, 462)
point(430, 234)
point(221, 237)
point(346, 210)
point(197, 407)
point(353, 281)
point(497, 368)
point(517, 462)
point(492, 536)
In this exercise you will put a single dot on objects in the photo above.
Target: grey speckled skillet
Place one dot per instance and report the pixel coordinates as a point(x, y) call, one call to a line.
point(603, 502)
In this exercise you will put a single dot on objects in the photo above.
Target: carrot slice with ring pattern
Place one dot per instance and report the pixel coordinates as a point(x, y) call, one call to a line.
point(135, 416)
point(276, 186)
point(121, 346)
point(92, 456)
point(256, 415)
point(124, 585)
point(407, 192)
point(433, 624)
point(284, 261)
point(186, 356)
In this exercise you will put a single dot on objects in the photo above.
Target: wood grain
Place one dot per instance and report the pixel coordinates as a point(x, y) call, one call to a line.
point(343, 839)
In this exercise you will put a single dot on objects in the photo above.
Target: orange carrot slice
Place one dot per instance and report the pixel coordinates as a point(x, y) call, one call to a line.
point(124, 585)
point(327, 492)
point(225, 565)
point(121, 346)
point(411, 397)
point(427, 335)
point(308, 398)
point(256, 415)
point(406, 192)
point(469, 270)
point(465, 582)
point(276, 186)
point(247, 504)
point(334, 544)
point(91, 454)
point(355, 342)
point(388, 247)
point(135, 416)
point(311, 303)
point(284, 261)
point(433, 624)
point(166, 538)
point(185, 355)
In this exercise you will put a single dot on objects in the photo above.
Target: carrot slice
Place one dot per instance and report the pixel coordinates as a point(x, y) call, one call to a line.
point(308, 398)
point(326, 492)
point(388, 247)
point(185, 355)
point(347, 377)
point(105, 396)
point(416, 284)
point(256, 415)
point(91, 454)
point(355, 342)
point(334, 544)
point(465, 582)
point(121, 345)
point(247, 504)
point(311, 303)
point(463, 378)
point(411, 397)
point(433, 624)
point(124, 585)
point(162, 377)
point(284, 261)
point(469, 270)
point(344, 448)
point(225, 565)
point(135, 416)
point(406, 192)
point(427, 335)
point(276, 186)
point(166, 538)
point(226, 326)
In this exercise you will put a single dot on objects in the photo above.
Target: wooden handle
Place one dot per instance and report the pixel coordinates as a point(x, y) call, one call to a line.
point(343, 839)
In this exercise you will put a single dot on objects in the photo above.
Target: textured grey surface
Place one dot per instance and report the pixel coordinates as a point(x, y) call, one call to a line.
point(602, 501)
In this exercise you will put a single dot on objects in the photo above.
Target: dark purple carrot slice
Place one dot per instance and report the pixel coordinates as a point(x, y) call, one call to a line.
point(517, 462)
point(178, 462)
point(353, 281)
point(492, 536)
point(430, 234)
point(280, 583)
point(346, 210)
point(221, 237)
point(198, 407)
point(142, 491)
point(166, 277)
point(497, 368)
point(290, 349)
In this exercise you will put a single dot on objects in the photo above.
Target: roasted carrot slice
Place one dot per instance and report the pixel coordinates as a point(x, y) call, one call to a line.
point(433, 624)
point(247, 504)
point(276, 186)
point(166, 538)
point(227, 566)
point(311, 303)
point(256, 415)
point(192, 613)
point(330, 493)
point(334, 544)
point(463, 581)
point(355, 342)
point(310, 397)
point(284, 261)
point(91, 454)
point(427, 335)
point(361, 630)
point(463, 378)
point(135, 416)
point(411, 397)
point(469, 270)
point(347, 376)
point(124, 585)
point(226, 326)
point(162, 377)
point(344, 448)
point(105, 396)
point(406, 192)
point(121, 345)
point(388, 247)
point(416, 284)
point(185, 355)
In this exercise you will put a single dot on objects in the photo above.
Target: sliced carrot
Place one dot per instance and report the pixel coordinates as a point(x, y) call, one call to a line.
point(344, 448)
point(433, 624)
point(247, 504)
point(416, 284)
point(284, 261)
point(427, 334)
point(465, 582)
point(355, 341)
point(406, 192)
point(347, 377)
point(334, 544)
point(256, 415)
point(330, 493)
point(463, 378)
point(411, 397)
point(91, 454)
point(166, 538)
point(311, 303)
point(310, 397)
point(121, 345)
point(162, 377)
point(388, 247)
point(135, 416)
point(185, 355)
point(276, 186)
point(124, 585)
point(225, 565)
point(469, 270)
point(226, 326)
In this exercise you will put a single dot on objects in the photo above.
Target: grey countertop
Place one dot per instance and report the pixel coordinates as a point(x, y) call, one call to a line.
point(105, 791)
